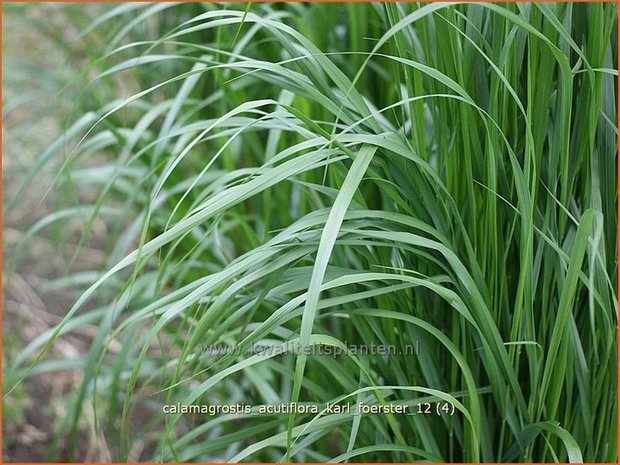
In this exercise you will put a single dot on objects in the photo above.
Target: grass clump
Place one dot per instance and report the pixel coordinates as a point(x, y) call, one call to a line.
point(435, 176)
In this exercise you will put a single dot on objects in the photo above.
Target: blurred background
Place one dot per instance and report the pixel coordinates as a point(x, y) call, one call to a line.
point(43, 56)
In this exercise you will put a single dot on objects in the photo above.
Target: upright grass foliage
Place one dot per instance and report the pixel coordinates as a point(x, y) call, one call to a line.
point(441, 175)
